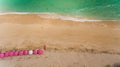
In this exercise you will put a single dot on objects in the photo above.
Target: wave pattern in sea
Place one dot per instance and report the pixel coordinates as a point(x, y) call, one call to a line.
point(100, 9)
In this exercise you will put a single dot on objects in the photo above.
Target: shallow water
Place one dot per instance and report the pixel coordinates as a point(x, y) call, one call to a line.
point(99, 9)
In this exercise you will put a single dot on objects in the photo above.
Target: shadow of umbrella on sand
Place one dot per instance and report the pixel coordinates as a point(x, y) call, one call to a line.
point(116, 65)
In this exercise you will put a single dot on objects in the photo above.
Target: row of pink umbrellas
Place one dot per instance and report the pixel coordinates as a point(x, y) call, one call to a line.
point(20, 53)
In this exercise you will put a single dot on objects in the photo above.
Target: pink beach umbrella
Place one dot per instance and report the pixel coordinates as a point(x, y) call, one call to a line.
point(11, 53)
point(2, 55)
point(16, 53)
point(40, 51)
point(25, 52)
point(35, 51)
point(6, 54)
point(21, 53)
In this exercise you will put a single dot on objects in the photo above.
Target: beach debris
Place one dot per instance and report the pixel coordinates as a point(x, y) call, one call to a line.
point(21, 53)
point(108, 65)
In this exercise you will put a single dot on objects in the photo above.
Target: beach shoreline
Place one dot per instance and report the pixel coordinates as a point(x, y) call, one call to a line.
point(61, 16)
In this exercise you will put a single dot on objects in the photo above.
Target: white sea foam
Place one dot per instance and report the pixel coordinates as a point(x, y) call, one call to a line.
point(4, 13)
point(72, 18)
point(57, 16)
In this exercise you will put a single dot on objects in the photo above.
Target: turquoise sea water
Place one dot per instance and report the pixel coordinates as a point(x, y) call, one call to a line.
point(100, 9)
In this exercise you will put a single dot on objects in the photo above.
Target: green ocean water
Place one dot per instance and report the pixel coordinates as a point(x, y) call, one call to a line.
point(100, 9)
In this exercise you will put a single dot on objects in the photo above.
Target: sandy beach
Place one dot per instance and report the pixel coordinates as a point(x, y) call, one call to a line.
point(61, 59)
point(70, 43)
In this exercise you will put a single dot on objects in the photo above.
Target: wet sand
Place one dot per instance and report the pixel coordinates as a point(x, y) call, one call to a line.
point(19, 32)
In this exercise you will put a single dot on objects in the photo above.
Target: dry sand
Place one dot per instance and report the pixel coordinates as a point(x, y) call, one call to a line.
point(19, 32)
point(61, 59)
